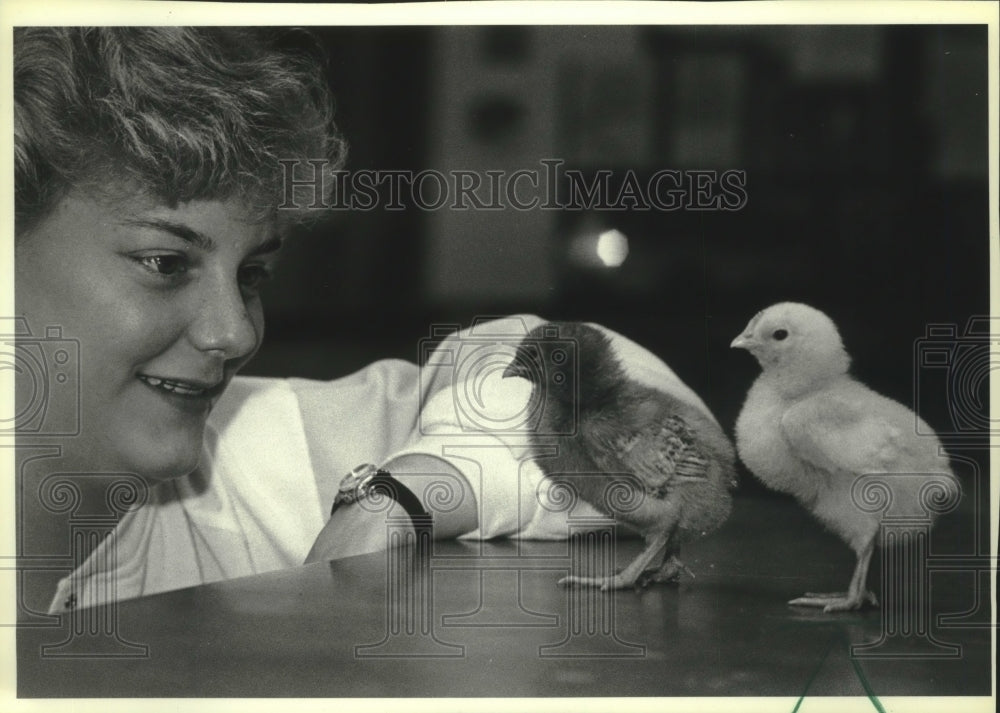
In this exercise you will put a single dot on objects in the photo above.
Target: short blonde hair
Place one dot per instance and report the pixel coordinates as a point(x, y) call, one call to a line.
point(180, 113)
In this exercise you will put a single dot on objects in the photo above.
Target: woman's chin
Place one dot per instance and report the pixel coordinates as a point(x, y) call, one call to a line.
point(168, 471)
point(166, 461)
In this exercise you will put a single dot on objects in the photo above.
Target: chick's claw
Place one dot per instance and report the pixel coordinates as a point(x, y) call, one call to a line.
point(669, 572)
point(835, 602)
point(605, 583)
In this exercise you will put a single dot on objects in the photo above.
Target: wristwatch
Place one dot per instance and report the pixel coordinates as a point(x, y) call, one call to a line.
point(367, 478)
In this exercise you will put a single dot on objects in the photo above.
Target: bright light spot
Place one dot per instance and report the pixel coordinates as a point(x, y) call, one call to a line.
point(612, 248)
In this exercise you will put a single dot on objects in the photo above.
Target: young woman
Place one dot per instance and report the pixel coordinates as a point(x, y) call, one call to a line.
point(148, 186)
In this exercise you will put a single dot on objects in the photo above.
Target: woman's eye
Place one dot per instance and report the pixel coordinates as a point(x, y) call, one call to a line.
point(252, 277)
point(166, 265)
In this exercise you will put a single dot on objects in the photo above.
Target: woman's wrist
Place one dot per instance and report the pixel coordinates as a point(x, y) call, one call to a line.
point(441, 489)
point(361, 527)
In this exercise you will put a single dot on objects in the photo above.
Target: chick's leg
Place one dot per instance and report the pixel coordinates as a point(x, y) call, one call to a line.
point(628, 576)
point(855, 597)
point(670, 571)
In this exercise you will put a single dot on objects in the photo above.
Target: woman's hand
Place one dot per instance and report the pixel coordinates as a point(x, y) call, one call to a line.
point(354, 529)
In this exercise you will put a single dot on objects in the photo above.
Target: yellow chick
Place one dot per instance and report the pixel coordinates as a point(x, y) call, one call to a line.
point(809, 429)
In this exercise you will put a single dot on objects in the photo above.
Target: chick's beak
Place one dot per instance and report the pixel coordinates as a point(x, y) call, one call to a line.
point(742, 342)
point(526, 363)
point(516, 368)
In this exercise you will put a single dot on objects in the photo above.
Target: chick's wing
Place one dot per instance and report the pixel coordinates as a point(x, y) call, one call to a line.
point(845, 432)
point(661, 455)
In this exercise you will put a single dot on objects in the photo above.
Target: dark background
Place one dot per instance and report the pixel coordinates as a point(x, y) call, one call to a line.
point(865, 151)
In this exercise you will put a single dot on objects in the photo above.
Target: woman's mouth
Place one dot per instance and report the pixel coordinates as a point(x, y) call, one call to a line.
point(180, 387)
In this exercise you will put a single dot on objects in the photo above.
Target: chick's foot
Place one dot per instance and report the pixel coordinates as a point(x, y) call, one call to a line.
point(836, 602)
point(669, 572)
point(605, 583)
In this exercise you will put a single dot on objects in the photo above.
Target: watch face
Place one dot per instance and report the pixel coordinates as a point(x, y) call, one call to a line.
point(354, 484)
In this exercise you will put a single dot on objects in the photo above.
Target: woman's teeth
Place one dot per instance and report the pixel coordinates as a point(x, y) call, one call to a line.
point(174, 387)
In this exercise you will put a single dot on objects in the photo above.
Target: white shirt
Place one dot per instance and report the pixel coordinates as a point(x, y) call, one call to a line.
point(275, 451)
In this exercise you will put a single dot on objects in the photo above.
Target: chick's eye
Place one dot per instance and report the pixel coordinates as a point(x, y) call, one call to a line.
point(780, 334)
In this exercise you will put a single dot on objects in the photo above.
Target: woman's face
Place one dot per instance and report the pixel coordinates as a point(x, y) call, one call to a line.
point(164, 303)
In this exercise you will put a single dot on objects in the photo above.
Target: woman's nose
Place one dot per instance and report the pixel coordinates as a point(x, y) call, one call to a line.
point(223, 323)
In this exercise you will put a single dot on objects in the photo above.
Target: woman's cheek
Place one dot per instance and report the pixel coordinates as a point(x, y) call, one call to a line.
point(255, 311)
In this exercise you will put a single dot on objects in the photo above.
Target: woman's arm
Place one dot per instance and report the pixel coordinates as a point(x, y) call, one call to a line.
point(355, 529)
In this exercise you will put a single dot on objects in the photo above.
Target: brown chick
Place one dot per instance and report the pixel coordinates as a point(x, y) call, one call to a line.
point(675, 459)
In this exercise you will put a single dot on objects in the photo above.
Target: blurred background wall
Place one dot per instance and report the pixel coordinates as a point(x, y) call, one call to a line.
point(865, 158)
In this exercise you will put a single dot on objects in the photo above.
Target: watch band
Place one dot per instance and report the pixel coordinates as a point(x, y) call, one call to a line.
point(367, 478)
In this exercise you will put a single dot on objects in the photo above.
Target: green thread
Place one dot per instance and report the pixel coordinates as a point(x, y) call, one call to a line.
point(866, 685)
point(815, 673)
point(869, 691)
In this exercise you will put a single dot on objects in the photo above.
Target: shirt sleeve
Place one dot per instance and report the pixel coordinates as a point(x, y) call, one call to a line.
point(457, 407)
point(513, 497)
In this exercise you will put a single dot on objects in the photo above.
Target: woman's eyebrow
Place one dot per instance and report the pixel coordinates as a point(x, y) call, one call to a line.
point(200, 240)
point(182, 231)
point(272, 245)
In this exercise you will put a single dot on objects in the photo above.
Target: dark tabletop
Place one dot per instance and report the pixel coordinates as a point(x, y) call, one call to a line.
point(488, 619)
